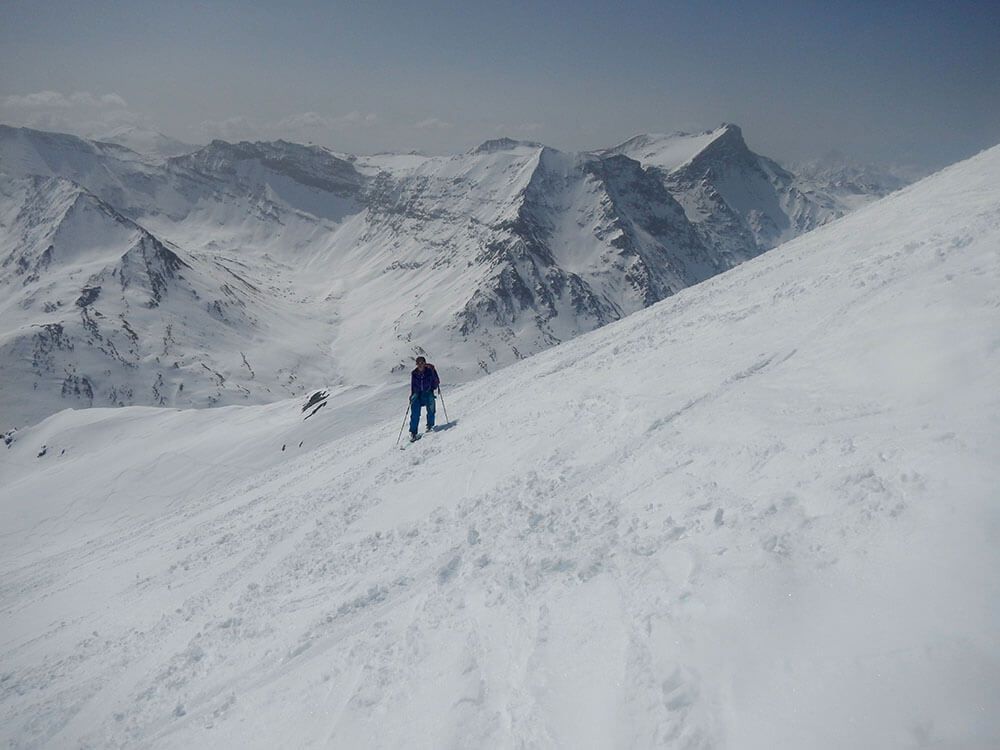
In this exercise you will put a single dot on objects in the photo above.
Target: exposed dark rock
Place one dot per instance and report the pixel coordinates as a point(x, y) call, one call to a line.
point(315, 398)
point(88, 295)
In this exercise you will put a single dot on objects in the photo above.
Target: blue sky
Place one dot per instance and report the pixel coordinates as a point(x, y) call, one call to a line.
point(906, 82)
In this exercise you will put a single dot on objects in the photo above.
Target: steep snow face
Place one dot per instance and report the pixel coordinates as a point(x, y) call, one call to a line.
point(306, 178)
point(667, 152)
point(741, 202)
point(759, 514)
point(503, 252)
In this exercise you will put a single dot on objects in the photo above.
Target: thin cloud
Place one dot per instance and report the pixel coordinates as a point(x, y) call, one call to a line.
point(230, 129)
point(524, 127)
point(433, 123)
point(305, 120)
point(298, 126)
point(356, 118)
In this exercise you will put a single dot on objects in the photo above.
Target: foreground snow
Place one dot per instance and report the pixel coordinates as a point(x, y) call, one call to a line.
point(759, 514)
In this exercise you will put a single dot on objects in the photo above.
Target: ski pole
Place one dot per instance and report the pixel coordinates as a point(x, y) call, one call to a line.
point(446, 420)
point(404, 423)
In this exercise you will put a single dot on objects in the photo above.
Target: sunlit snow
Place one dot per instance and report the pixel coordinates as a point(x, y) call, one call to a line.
point(759, 514)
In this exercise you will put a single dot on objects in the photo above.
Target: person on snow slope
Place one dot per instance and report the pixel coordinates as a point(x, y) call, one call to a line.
point(423, 382)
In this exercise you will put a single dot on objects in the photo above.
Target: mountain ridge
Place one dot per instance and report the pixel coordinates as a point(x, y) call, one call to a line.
point(479, 259)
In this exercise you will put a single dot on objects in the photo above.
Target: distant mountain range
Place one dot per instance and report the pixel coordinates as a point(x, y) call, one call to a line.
point(245, 272)
point(148, 142)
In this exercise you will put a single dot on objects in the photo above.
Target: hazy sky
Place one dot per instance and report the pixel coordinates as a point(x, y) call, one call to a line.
point(905, 82)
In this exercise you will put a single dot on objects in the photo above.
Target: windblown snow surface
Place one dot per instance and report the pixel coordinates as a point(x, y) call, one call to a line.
point(760, 514)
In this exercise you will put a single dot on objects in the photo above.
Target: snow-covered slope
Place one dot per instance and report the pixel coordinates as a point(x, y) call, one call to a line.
point(99, 311)
point(118, 175)
point(667, 151)
point(759, 514)
point(505, 251)
point(742, 202)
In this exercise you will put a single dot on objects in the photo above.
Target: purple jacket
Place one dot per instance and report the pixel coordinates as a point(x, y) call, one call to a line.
point(424, 382)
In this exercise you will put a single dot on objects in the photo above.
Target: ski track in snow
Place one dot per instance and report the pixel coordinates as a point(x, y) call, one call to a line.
point(758, 514)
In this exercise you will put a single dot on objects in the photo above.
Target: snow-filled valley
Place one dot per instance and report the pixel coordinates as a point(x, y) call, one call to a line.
point(760, 513)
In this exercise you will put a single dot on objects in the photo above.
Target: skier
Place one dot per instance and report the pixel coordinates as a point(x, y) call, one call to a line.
point(423, 382)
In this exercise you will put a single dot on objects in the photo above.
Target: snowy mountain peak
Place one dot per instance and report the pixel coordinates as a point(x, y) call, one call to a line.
point(725, 145)
point(51, 223)
point(24, 151)
point(152, 266)
point(309, 165)
point(146, 141)
point(741, 201)
point(43, 138)
point(503, 144)
point(673, 150)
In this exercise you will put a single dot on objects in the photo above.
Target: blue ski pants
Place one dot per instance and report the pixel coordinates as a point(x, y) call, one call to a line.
point(417, 400)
